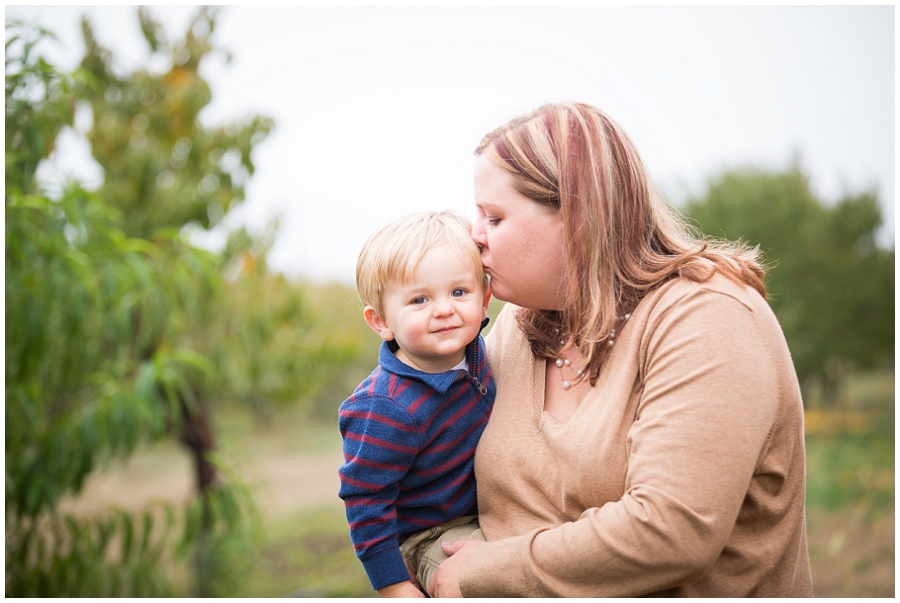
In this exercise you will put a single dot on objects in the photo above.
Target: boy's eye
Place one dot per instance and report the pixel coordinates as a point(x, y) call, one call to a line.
point(458, 292)
point(419, 300)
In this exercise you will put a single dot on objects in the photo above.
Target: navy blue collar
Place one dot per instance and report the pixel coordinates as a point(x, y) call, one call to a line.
point(440, 382)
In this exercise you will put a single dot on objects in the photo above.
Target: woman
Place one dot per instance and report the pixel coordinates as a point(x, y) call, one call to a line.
point(647, 435)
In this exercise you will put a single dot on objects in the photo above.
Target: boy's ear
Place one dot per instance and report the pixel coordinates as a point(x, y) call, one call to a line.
point(377, 323)
point(487, 301)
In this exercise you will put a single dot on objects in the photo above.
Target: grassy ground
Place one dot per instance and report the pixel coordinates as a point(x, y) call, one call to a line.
point(850, 491)
point(307, 554)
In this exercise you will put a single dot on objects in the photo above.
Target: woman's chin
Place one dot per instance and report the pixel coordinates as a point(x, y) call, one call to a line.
point(499, 293)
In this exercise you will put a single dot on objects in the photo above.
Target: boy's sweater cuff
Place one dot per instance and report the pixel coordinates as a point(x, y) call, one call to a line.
point(385, 567)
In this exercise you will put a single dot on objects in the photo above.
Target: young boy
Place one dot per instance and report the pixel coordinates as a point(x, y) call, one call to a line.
point(411, 427)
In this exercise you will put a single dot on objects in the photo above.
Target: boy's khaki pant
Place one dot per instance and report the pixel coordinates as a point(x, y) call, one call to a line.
point(422, 550)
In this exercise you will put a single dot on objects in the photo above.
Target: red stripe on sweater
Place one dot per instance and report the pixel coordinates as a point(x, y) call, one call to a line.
point(371, 440)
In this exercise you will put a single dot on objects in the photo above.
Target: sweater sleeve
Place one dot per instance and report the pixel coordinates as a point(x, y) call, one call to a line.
point(703, 418)
point(380, 445)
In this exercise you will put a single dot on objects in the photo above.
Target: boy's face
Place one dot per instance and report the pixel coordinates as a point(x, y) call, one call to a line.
point(436, 314)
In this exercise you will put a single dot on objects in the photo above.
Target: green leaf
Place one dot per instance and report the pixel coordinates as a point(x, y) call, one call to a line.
point(147, 529)
point(127, 535)
point(193, 359)
point(192, 520)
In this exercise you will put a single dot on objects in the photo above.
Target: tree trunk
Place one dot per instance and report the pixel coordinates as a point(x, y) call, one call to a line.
point(197, 434)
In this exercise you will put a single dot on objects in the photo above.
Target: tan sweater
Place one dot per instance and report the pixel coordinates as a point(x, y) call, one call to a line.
point(681, 473)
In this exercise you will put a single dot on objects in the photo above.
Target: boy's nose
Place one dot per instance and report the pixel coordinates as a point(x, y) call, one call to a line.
point(443, 308)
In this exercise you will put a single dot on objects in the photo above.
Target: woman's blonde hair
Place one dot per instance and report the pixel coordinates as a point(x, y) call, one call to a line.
point(622, 239)
point(392, 253)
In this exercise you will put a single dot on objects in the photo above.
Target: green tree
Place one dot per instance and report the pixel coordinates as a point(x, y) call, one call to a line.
point(118, 331)
point(830, 285)
point(92, 367)
point(162, 167)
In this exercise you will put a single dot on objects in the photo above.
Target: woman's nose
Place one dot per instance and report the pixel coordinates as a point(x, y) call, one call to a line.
point(478, 234)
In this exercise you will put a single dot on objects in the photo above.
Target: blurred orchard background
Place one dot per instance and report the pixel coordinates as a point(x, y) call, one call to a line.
point(178, 338)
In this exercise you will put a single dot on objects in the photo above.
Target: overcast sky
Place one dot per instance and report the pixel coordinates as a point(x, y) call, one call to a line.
point(378, 109)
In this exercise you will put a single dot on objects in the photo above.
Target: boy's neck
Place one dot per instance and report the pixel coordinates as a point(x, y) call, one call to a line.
point(438, 365)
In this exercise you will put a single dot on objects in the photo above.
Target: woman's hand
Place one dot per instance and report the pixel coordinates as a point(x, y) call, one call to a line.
point(445, 582)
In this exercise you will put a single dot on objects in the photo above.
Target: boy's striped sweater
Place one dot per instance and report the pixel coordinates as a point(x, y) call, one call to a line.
point(409, 449)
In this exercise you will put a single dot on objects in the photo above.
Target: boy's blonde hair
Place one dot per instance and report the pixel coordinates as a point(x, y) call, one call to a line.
point(392, 253)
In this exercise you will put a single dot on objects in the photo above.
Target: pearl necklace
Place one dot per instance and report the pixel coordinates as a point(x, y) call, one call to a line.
point(566, 363)
point(561, 362)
